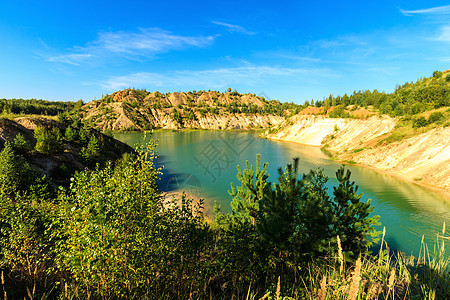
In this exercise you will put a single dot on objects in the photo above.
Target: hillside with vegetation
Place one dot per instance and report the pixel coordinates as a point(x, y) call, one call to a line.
point(405, 133)
point(52, 151)
point(133, 109)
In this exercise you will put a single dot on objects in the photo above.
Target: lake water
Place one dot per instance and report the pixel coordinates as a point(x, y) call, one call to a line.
point(204, 163)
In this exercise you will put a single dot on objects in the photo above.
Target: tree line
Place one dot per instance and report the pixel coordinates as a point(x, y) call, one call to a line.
point(407, 99)
point(36, 107)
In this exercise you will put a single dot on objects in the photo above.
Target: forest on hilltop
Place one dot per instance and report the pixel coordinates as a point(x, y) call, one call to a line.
point(425, 94)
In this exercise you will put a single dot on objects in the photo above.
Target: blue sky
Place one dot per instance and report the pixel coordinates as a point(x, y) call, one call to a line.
point(288, 50)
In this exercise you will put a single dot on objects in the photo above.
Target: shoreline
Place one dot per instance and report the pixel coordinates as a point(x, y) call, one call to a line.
point(207, 209)
point(443, 192)
point(256, 130)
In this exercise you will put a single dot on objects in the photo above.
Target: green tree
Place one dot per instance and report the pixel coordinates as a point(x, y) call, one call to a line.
point(20, 144)
point(70, 134)
point(385, 108)
point(176, 117)
point(16, 176)
point(117, 238)
point(83, 135)
point(91, 151)
point(276, 226)
point(48, 141)
point(420, 122)
point(437, 74)
point(11, 171)
point(350, 216)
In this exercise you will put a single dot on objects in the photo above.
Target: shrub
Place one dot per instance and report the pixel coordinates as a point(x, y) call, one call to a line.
point(436, 117)
point(118, 239)
point(417, 108)
point(24, 244)
point(48, 141)
point(420, 122)
point(20, 144)
point(16, 176)
point(70, 134)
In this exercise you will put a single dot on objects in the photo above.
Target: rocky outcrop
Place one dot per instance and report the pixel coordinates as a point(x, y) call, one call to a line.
point(139, 110)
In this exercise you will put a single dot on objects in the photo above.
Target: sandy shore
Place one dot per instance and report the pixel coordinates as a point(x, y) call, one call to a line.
point(208, 209)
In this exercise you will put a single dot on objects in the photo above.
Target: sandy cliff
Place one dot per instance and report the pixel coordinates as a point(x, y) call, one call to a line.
point(424, 158)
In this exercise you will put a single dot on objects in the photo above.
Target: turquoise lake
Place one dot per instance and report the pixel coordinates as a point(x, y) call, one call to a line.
point(203, 163)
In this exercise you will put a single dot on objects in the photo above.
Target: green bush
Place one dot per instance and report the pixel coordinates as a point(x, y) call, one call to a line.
point(436, 117)
point(48, 141)
point(17, 177)
point(420, 122)
point(20, 144)
point(26, 248)
point(70, 134)
point(118, 239)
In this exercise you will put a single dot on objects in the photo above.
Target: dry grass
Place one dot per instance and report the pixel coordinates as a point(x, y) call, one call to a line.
point(384, 276)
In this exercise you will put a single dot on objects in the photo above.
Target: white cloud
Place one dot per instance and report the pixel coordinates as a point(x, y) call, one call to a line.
point(72, 59)
point(213, 78)
point(147, 42)
point(444, 35)
point(432, 10)
point(233, 28)
point(328, 44)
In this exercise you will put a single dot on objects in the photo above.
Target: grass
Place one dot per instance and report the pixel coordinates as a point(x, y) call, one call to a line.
point(384, 276)
point(405, 130)
point(402, 131)
point(358, 150)
point(13, 115)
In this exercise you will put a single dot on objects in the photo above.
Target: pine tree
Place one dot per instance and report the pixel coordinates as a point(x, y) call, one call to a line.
point(20, 144)
point(351, 216)
point(70, 134)
point(48, 141)
point(15, 172)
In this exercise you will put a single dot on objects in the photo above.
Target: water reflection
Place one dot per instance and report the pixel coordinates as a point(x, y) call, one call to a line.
point(407, 210)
